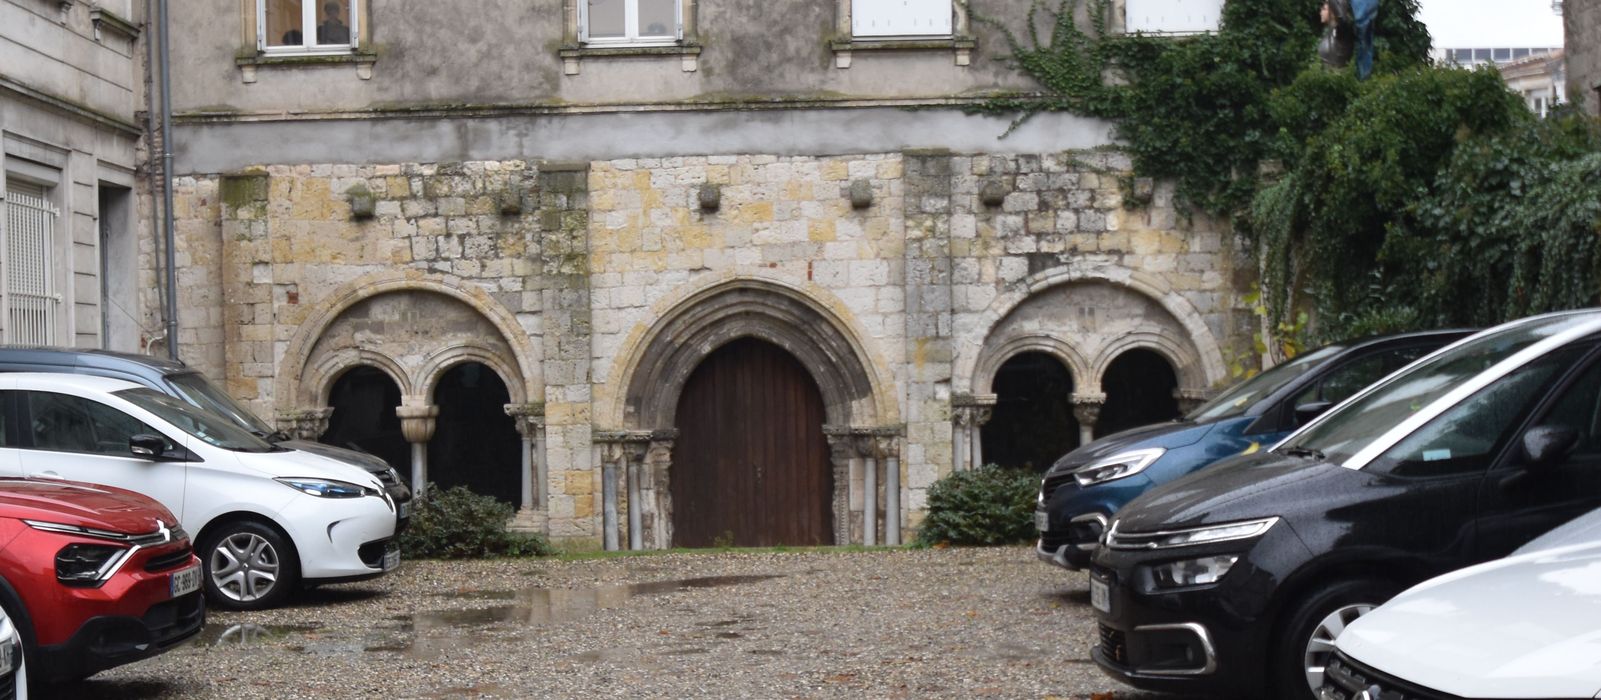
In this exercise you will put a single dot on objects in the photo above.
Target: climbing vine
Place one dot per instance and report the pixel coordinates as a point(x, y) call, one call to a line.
point(1424, 196)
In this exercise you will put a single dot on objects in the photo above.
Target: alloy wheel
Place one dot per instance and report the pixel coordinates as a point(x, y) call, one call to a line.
point(1320, 646)
point(244, 567)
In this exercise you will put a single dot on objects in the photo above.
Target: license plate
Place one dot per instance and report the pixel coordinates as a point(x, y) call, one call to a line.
point(403, 510)
point(1100, 596)
point(391, 558)
point(185, 581)
point(1042, 520)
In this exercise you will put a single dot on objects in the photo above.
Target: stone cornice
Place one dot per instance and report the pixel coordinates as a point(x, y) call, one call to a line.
point(11, 85)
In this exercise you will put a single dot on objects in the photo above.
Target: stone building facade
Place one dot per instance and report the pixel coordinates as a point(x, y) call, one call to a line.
point(396, 236)
point(1581, 20)
point(71, 99)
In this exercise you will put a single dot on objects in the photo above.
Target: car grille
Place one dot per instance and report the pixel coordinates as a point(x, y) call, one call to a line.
point(1344, 680)
point(1114, 646)
point(372, 553)
point(1052, 483)
point(167, 561)
point(1054, 539)
point(171, 621)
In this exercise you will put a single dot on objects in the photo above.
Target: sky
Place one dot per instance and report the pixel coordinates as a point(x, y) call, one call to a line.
point(1491, 23)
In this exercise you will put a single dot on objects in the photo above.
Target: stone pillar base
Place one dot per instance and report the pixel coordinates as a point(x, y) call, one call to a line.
point(529, 521)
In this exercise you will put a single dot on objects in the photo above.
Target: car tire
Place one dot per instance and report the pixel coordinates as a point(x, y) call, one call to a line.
point(1305, 637)
point(247, 565)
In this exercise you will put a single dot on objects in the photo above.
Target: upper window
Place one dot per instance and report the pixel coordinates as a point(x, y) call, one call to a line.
point(631, 21)
point(1172, 16)
point(901, 18)
point(287, 26)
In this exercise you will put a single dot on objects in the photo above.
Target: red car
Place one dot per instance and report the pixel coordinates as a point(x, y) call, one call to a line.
point(93, 577)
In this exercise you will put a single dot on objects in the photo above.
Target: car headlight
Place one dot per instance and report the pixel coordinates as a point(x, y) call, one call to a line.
point(328, 488)
point(1193, 572)
point(1207, 534)
point(87, 564)
point(1117, 466)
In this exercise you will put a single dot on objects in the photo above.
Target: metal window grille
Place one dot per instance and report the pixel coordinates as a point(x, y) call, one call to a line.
point(30, 296)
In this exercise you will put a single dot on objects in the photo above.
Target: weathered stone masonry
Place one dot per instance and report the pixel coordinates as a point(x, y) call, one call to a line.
point(900, 280)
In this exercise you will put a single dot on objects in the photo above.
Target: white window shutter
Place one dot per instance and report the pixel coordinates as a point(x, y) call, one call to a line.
point(1173, 16)
point(31, 299)
point(900, 18)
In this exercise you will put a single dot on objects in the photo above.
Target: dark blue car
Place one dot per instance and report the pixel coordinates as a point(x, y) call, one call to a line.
point(1085, 487)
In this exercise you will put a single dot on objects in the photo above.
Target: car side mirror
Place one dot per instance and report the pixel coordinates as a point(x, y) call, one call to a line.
point(1545, 444)
point(147, 446)
point(1304, 413)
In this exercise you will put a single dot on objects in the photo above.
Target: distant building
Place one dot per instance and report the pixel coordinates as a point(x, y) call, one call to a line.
point(1541, 80)
point(1473, 57)
point(1582, 20)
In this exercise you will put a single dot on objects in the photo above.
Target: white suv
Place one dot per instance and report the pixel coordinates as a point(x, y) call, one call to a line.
point(263, 518)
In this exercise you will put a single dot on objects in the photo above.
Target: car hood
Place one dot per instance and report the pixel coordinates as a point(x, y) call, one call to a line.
point(305, 464)
point(1169, 435)
point(366, 461)
point(1237, 488)
point(1526, 626)
point(82, 505)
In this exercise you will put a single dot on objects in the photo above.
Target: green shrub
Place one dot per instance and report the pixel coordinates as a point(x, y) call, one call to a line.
point(989, 505)
point(456, 523)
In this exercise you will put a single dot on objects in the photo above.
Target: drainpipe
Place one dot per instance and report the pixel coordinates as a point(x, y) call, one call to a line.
point(166, 186)
point(150, 129)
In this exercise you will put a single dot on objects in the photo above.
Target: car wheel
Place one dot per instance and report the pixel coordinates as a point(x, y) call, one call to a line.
point(248, 565)
point(1306, 638)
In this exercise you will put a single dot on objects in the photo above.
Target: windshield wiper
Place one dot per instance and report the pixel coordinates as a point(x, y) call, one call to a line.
point(1306, 452)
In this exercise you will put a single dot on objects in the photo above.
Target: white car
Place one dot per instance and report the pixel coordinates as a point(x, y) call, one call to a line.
point(264, 518)
point(1526, 626)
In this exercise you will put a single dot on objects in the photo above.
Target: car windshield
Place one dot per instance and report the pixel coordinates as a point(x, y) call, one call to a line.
point(1344, 432)
point(193, 387)
point(213, 429)
point(1240, 397)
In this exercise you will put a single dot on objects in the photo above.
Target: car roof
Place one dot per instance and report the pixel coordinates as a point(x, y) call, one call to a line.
point(63, 381)
point(90, 357)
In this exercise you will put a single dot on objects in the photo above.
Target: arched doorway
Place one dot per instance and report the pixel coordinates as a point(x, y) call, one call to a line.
point(1032, 423)
point(475, 444)
point(1139, 388)
point(751, 466)
point(364, 401)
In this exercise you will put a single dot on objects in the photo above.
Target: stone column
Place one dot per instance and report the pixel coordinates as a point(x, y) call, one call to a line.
point(655, 478)
point(960, 417)
point(634, 457)
point(975, 433)
point(867, 448)
point(890, 447)
point(417, 422)
point(611, 453)
point(306, 424)
point(1087, 410)
point(530, 420)
point(842, 456)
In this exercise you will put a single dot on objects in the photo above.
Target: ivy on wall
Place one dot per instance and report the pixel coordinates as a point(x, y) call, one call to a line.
point(1425, 196)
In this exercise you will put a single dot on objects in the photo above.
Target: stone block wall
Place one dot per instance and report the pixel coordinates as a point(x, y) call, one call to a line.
point(1582, 22)
point(919, 256)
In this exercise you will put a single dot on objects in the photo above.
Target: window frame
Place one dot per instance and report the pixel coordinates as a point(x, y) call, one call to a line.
point(308, 16)
point(631, 35)
point(957, 25)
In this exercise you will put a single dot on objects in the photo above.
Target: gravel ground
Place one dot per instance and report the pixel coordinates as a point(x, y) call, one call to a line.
point(903, 624)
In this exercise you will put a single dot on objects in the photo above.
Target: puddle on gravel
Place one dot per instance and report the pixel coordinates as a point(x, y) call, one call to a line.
point(543, 606)
point(247, 634)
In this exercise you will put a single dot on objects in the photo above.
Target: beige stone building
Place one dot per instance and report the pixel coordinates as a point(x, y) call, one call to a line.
point(673, 272)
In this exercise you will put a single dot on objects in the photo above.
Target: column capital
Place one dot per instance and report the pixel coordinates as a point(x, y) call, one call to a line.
point(529, 417)
point(305, 424)
point(1087, 408)
point(864, 441)
point(417, 419)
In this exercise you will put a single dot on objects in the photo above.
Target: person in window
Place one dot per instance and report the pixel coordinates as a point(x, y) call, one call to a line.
point(293, 37)
point(332, 30)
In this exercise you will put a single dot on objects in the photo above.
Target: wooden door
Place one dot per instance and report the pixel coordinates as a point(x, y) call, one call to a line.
point(750, 466)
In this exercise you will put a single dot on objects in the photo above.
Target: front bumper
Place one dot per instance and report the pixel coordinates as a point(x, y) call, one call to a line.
point(332, 534)
point(106, 641)
point(1071, 545)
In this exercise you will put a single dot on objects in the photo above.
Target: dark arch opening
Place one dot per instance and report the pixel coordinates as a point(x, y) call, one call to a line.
point(364, 401)
point(751, 465)
point(475, 443)
point(1139, 388)
point(1032, 423)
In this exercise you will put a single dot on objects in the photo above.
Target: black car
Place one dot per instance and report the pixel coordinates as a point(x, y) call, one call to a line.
point(1237, 578)
point(1085, 487)
point(177, 379)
